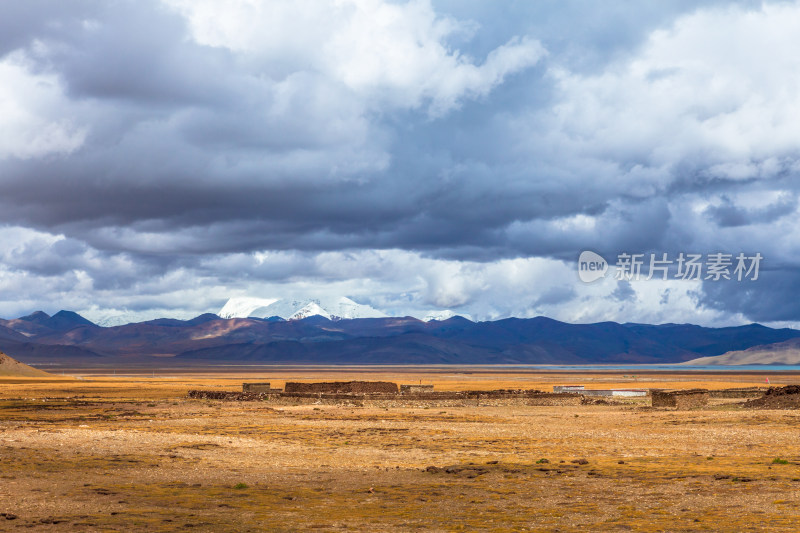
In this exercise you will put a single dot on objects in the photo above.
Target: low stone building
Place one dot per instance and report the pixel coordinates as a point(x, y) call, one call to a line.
point(580, 389)
point(569, 388)
point(255, 387)
point(627, 393)
point(681, 399)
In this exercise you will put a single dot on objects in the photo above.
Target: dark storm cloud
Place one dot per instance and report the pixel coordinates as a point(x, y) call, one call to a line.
point(187, 139)
point(556, 295)
point(624, 292)
point(728, 214)
point(539, 129)
point(22, 22)
point(203, 148)
point(770, 298)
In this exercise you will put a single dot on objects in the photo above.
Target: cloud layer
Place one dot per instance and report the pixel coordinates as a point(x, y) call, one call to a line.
point(160, 156)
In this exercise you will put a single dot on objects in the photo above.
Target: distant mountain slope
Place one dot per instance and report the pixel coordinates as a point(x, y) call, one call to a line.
point(714, 341)
point(10, 334)
point(33, 352)
point(459, 341)
point(10, 367)
point(779, 353)
point(403, 349)
point(65, 320)
point(315, 338)
point(39, 323)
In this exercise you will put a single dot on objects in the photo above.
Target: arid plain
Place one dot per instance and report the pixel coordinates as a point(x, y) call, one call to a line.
point(132, 452)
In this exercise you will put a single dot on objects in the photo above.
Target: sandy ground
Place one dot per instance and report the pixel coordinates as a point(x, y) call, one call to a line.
point(133, 453)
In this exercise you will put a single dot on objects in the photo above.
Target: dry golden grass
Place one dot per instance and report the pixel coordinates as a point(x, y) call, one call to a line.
point(133, 453)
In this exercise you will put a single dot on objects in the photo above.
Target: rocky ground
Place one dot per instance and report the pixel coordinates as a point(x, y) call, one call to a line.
point(144, 457)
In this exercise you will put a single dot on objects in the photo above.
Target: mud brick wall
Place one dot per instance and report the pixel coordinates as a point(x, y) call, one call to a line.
point(662, 398)
point(343, 387)
point(411, 389)
point(255, 387)
point(229, 396)
point(749, 392)
point(687, 399)
point(556, 398)
point(690, 400)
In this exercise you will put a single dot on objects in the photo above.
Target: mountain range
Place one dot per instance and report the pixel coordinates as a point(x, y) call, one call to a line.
point(336, 308)
point(68, 338)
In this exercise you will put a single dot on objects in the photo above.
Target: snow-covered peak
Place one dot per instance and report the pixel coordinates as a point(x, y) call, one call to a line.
point(292, 308)
point(244, 306)
point(110, 318)
point(444, 315)
point(346, 308)
point(312, 309)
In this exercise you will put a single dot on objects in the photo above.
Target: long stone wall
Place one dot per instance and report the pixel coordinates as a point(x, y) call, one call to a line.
point(501, 397)
point(415, 389)
point(343, 387)
point(683, 399)
point(229, 396)
point(256, 387)
point(555, 398)
point(744, 392)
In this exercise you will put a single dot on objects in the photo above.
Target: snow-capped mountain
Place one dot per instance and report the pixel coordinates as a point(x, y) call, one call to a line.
point(244, 306)
point(111, 318)
point(312, 309)
point(294, 309)
point(444, 315)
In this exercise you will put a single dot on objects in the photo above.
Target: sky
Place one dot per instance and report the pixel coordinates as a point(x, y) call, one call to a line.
point(158, 157)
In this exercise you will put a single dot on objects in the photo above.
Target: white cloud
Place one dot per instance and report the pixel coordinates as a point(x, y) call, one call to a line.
point(34, 114)
point(718, 91)
point(390, 55)
point(43, 270)
point(276, 124)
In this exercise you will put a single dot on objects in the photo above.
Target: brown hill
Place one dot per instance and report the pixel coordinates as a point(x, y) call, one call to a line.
point(778, 353)
point(12, 368)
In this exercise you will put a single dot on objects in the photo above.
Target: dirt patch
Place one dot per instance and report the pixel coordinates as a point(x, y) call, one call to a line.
point(777, 398)
point(213, 465)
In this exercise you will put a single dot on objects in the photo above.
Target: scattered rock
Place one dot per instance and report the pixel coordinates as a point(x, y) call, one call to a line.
point(8, 516)
point(51, 520)
point(580, 461)
point(468, 471)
